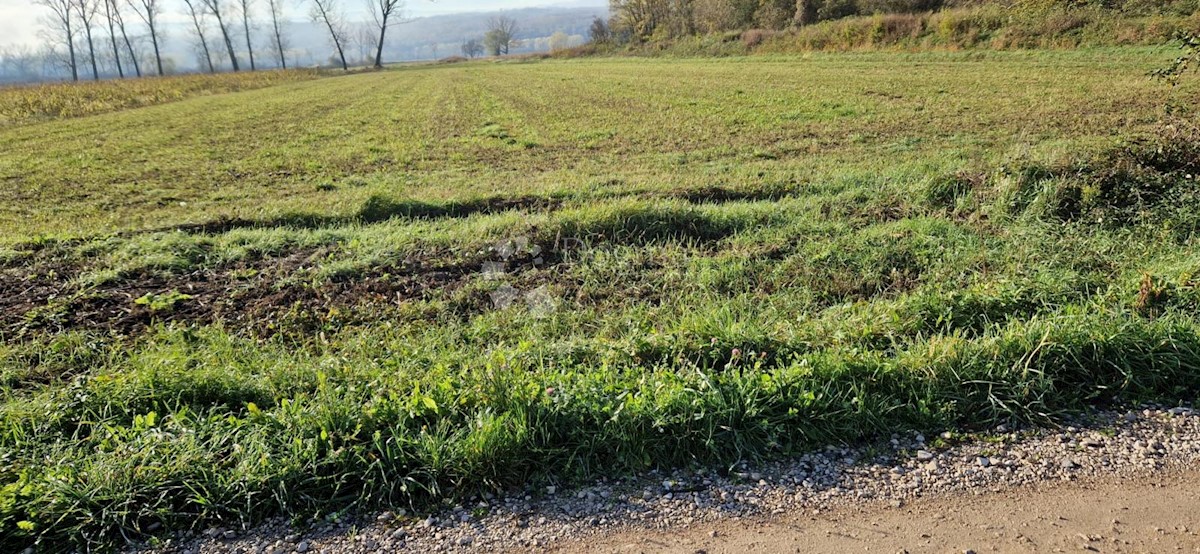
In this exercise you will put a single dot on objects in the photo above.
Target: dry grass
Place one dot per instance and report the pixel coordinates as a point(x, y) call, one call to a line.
point(42, 102)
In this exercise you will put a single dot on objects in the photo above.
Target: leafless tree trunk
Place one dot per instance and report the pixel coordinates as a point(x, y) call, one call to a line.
point(385, 12)
point(326, 11)
point(62, 18)
point(196, 11)
point(116, 11)
point(148, 11)
point(87, 14)
point(276, 11)
point(245, 4)
point(214, 8)
point(110, 18)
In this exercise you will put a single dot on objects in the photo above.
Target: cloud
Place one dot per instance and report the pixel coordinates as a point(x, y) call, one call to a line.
point(19, 22)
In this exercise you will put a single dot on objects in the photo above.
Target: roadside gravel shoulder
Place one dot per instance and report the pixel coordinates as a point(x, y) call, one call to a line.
point(1147, 444)
point(1152, 513)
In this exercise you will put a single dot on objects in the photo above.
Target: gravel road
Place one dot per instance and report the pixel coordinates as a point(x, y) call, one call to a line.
point(683, 510)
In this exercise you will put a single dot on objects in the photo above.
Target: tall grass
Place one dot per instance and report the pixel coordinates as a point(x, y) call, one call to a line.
point(32, 103)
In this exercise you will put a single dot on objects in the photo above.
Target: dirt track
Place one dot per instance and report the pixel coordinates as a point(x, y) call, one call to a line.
point(1159, 514)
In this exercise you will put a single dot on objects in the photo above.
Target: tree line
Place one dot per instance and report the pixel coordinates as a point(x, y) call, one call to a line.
point(648, 20)
point(637, 20)
point(78, 34)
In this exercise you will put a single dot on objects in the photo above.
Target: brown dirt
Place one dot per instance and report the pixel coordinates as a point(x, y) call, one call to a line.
point(264, 296)
point(1158, 513)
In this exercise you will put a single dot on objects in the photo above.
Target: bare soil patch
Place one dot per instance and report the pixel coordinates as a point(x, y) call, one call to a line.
point(263, 296)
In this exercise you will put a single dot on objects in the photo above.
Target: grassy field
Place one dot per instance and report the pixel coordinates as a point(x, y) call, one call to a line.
point(430, 282)
point(49, 101)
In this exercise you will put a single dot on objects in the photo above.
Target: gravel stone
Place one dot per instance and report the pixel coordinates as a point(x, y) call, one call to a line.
point(1129, 442)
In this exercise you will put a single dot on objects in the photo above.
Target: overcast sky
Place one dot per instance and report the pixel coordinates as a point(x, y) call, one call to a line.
point(19, 19)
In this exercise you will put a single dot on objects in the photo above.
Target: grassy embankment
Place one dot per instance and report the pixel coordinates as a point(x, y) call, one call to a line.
point(980, 26)
point(431, 281)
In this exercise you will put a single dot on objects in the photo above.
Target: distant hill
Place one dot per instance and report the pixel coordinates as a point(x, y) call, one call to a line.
point(422, 38)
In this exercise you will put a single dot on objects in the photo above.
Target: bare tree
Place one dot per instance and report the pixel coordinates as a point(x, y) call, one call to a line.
point(87, 10)
point(599, 32)
point(17, 64)
point(110, 17)
point(54, 61)
point(113, 11)
point(363, 39)
point(61, 20)
point(245, 5)
point(197, 14)
point(385, 12)
point(280, 48)
point(472, 48)
point(328, 12)
point(148, 11)
point(214, 8)
point(501, 35)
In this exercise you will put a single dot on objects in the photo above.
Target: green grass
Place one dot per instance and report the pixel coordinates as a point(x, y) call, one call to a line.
point(422, 283)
